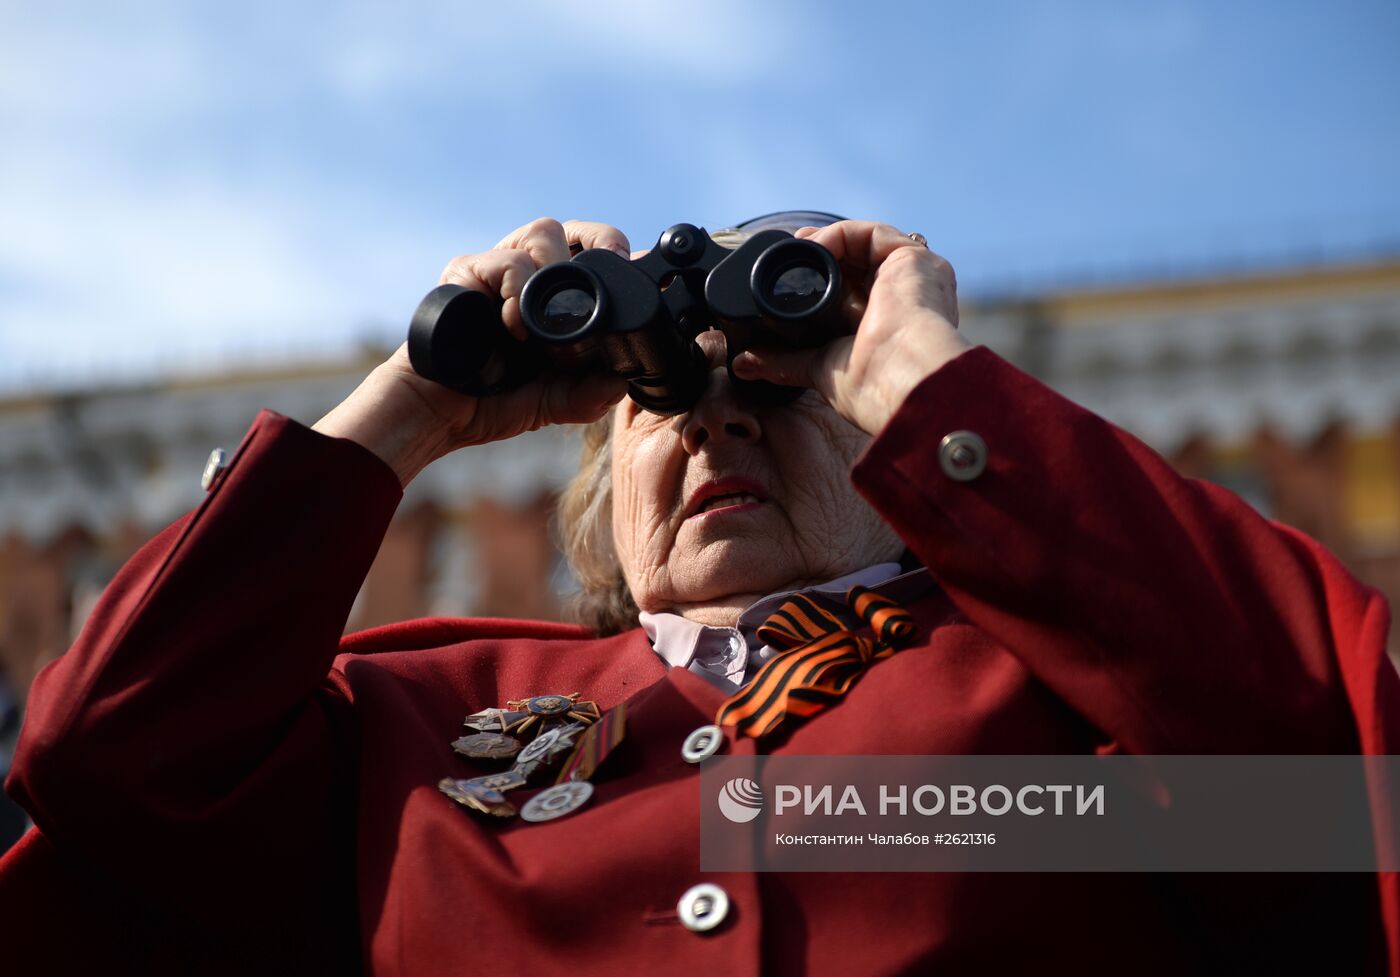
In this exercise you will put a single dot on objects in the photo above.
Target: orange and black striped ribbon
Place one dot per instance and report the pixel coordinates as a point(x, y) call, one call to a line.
point(819, 661)
point(595, 744)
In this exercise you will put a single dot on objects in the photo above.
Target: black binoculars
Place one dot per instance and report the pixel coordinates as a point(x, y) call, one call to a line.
point(638, 319)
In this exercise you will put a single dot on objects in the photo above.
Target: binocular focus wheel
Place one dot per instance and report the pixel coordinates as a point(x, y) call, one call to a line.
point(682, 244)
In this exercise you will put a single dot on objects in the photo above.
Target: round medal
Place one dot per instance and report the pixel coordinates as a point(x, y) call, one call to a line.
point(539, 746)
point(557, 801)
point(487, 746)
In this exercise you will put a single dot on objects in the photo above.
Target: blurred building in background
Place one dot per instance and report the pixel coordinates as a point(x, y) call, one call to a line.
point(1284, 387)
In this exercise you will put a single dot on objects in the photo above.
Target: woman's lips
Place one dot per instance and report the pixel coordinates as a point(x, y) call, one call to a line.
point(728, 495)
point(723, 506)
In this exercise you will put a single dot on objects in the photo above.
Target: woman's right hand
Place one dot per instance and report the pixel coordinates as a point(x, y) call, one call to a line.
point(409, 421)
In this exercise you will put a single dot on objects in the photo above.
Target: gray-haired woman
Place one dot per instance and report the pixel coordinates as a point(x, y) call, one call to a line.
point(217, 776)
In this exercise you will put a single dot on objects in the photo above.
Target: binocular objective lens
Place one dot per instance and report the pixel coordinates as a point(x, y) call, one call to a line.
point(567, 311)
point(798, 290)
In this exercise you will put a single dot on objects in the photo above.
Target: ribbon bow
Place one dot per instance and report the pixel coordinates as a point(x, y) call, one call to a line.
point(819, 659)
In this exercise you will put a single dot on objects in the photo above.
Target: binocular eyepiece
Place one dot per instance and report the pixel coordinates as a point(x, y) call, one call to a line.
point(638, 319)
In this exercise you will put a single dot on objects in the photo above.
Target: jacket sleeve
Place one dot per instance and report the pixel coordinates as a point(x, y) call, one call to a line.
point(1163, 609)
point(191, 744)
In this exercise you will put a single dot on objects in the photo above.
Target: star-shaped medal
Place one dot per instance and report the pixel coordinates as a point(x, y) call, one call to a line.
point(544, 711)
point(493, 720)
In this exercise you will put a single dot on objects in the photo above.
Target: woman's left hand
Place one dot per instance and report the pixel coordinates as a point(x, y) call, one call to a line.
point(904, 298)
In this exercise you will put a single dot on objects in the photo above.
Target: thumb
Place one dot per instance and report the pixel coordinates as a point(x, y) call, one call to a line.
point(792, 367)
point(584, 399)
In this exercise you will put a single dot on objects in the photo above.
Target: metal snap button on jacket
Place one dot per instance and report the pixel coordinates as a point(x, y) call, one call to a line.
point(702, 744)
point(218, 461)
point(703, 907)
point(962, 455)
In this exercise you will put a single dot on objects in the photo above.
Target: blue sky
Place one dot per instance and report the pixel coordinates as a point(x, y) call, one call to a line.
point(187, 185)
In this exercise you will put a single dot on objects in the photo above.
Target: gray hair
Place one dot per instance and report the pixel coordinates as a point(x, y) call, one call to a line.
point(584, 521)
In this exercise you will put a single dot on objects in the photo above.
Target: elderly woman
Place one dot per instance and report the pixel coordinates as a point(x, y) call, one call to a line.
point(219, 780)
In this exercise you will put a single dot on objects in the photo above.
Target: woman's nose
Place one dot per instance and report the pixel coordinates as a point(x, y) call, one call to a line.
point(718, 415)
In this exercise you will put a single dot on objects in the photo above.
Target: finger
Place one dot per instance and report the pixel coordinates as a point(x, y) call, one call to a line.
point(933, 274)
point(863, 248)
point(543, 239)
point(499, 273)
point(853, 303)
point(591, 234)
point(861, 245)
point(583, 400)
point(559, 400)
point(813, 368)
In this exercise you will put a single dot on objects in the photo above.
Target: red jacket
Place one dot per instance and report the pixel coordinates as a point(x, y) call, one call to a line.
point(224, 785)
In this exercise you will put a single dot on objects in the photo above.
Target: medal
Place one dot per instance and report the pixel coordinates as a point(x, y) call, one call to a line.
point(557, 801)
point(542, 711)
point(493, 720)
point(506, 780)
point(597, 742)
point(544, 748)
point(487, 746)
point(476, 797)
point(556, 726)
